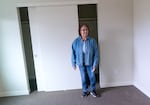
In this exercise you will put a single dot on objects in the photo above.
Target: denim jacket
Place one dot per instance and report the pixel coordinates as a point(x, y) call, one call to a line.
point(91, 57)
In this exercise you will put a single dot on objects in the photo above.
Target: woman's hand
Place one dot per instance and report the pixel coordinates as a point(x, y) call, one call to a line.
point(74, 67)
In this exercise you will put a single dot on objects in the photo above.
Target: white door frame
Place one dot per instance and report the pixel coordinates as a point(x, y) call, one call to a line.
point(54, 3)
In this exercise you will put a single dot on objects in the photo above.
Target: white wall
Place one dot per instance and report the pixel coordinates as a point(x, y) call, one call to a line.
point(115, 37)
point(115, 20)
point(141, 45)
point(116, 42)
point(12, 68)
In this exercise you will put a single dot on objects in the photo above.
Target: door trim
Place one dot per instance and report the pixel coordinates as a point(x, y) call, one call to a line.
point(53, 3)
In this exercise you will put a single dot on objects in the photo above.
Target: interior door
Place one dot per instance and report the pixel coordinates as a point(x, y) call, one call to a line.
point(53, 28)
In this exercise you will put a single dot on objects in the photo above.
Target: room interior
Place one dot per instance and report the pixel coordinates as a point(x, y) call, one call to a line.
point(123, 38)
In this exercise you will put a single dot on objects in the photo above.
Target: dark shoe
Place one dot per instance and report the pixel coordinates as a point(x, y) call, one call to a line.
point(85, 94)
point(93, 93)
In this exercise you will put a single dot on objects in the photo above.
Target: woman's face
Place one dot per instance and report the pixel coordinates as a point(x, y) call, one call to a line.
point(84, 31)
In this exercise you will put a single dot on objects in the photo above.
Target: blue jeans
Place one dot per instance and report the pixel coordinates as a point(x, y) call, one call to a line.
point(91, 75)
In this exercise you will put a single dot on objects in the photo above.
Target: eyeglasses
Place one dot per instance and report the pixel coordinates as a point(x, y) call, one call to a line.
point(84, 30)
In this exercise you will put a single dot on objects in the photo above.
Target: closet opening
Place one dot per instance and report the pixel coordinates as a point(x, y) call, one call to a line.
point(87, 14)
point(26, 38)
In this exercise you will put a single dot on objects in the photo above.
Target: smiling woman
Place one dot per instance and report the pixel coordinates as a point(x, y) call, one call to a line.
point(85, 55)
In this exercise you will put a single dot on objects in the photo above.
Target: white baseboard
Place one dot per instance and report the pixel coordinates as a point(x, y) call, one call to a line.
point(143, 89)
point(104, 85)
point(14, 93)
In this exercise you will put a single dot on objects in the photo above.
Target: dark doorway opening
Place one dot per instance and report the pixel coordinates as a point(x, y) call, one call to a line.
point(26, 37)
point(87, 14)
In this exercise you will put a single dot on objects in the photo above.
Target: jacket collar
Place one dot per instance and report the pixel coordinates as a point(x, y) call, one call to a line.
point(86, 38)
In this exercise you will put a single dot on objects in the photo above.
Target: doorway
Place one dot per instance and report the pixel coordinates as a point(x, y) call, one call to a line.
point(87, 14)
point(26, 37)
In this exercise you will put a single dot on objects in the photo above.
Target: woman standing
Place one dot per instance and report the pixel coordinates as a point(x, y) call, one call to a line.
point(85, 55)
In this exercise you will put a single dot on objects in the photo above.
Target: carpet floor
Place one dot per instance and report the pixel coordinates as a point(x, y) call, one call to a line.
point(126, 95)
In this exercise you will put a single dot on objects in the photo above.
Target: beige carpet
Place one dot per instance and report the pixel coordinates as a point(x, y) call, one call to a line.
point(128, 95)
